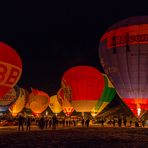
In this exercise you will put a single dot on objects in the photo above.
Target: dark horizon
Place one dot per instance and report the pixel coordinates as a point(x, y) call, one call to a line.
point(53, 37)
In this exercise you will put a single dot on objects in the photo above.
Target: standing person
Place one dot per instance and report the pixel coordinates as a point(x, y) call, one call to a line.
point(50, 123)
point(66, 122)
point(102, 122)
point(114, 122)
point(143, 123)
point(136, 123)
point(130, 122)
point(87, 122)
point(41, 123)
point(21, 121)
point(63, 121)
point(124, 121)
point(54, 122)
point(119, 121)
point(28, 123)
point(46, 122)
point(110, 122)
point(82, 122)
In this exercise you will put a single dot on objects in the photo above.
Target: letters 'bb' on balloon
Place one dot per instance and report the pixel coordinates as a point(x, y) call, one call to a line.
point(10, 68)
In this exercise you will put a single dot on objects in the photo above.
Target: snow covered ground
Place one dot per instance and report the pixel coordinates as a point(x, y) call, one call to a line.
point(93, 137)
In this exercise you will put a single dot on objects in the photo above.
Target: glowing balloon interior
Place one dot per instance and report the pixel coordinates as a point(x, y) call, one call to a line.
point(123, 54)
point(63, 99)
point(55, 105)
point(38, 101)
point(19, 104)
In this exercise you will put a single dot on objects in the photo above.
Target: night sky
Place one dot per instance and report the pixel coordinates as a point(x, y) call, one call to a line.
point(55, 36)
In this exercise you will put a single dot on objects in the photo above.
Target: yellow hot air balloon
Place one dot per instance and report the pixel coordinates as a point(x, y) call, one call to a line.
point(55, 105)
point(19, 104)
point(63, 100)
point(38, 101)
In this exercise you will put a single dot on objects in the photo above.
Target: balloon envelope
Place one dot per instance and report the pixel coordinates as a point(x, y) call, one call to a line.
point(10, 68)
point(19, 103)
point(123, 54)
point(63, 99)
point(106, 97)
point(55, 105)
point(38, 101)
point(9, 98)
point(84, 86)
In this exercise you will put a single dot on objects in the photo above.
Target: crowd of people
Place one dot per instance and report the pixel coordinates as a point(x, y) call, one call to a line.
point(122, 122)
point(43, 122)
point(53, 122)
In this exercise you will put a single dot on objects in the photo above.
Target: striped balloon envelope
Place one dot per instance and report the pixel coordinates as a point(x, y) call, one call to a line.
point(19, 103)
point(123, 53)
point(63, 99)
point(9, 98)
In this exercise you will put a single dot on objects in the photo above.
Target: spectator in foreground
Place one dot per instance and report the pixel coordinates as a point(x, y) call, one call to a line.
point(21, 122)
point(28, 123)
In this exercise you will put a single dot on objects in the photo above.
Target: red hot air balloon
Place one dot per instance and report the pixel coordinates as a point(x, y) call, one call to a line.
point(123, 54)
point(84, 86)
point(10, 68)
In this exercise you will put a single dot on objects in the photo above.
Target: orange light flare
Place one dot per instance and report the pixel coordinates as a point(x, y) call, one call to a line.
point(138, 111)
point(93, 114)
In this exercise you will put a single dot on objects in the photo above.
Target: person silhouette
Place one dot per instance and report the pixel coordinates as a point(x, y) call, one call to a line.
point(28, 123)
point(21, 122)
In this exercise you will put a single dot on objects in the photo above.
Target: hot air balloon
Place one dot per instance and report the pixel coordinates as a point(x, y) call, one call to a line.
point(123, 54)
point(84, 86)
point(63, 99)
point(38, 101)
point(9, 98)
point(106, 97)
point(10, 68)
point(19, 103)
point(55, 105)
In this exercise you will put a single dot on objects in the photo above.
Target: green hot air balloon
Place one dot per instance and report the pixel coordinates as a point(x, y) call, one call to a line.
point(106, 97)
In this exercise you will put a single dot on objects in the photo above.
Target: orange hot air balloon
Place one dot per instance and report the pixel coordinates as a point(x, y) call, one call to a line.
point(64, 101)
point(83, 85)
point(38, 101)
point(10, 68)
point(19, 103)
